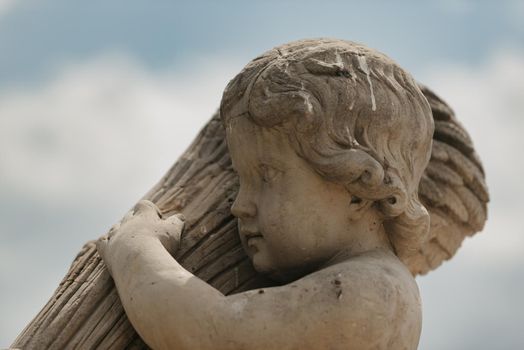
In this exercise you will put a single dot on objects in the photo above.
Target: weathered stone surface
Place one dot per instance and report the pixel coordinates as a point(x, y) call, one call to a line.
point(305, 80)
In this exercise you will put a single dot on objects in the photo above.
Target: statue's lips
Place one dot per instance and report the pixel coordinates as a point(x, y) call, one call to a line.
point(254, 237)
point(248, 230)
point(252, 242)
point(251, 235)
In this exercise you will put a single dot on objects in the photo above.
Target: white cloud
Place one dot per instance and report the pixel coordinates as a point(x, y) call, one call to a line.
point(104, 125)
point(87, 145)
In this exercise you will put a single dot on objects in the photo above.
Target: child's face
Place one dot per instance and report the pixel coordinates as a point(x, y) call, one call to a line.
point(290, 219)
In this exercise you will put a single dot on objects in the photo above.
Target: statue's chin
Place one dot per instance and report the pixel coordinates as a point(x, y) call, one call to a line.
point(280, 275)
point(264, 264)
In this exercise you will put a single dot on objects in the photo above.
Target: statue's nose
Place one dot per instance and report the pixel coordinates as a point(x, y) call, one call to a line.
point(243, 206)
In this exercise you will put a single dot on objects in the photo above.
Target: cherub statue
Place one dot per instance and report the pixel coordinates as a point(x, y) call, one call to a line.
point(331, 142)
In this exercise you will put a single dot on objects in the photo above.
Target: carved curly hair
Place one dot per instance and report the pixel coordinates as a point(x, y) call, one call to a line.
point(354, 115)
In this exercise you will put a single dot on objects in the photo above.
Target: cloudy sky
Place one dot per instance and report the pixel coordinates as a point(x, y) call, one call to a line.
point(99, 98)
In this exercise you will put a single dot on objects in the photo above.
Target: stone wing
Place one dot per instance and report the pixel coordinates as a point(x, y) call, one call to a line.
point(453, 189)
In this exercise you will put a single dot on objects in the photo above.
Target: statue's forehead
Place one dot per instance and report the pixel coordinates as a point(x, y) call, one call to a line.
point(244, 135)
point(244, 129)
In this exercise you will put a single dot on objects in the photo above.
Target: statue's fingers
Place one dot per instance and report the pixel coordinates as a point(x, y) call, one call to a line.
point(177, 220)
point(115, 228)
point(101, 245)
point(175, 225)
point(128, 215)
point(147, 208)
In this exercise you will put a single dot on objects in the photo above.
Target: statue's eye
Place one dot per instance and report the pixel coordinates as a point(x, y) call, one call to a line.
point(269, 173)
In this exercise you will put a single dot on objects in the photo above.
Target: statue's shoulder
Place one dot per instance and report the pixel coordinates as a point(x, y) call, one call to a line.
point(375, 292)
point(380, 275)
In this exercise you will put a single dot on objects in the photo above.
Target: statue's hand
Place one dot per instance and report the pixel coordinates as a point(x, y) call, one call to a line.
point(143, 221)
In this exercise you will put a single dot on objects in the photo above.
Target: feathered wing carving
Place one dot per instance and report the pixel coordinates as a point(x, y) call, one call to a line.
point(453, 189)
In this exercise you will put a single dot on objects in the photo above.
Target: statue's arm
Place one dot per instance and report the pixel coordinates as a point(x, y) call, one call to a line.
point(171, 308)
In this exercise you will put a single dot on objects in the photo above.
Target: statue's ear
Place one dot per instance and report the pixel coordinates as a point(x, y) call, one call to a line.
point(390, 196)
point(396, 201)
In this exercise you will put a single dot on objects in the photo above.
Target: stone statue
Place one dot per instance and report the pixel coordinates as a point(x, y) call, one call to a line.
point(332, 143)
